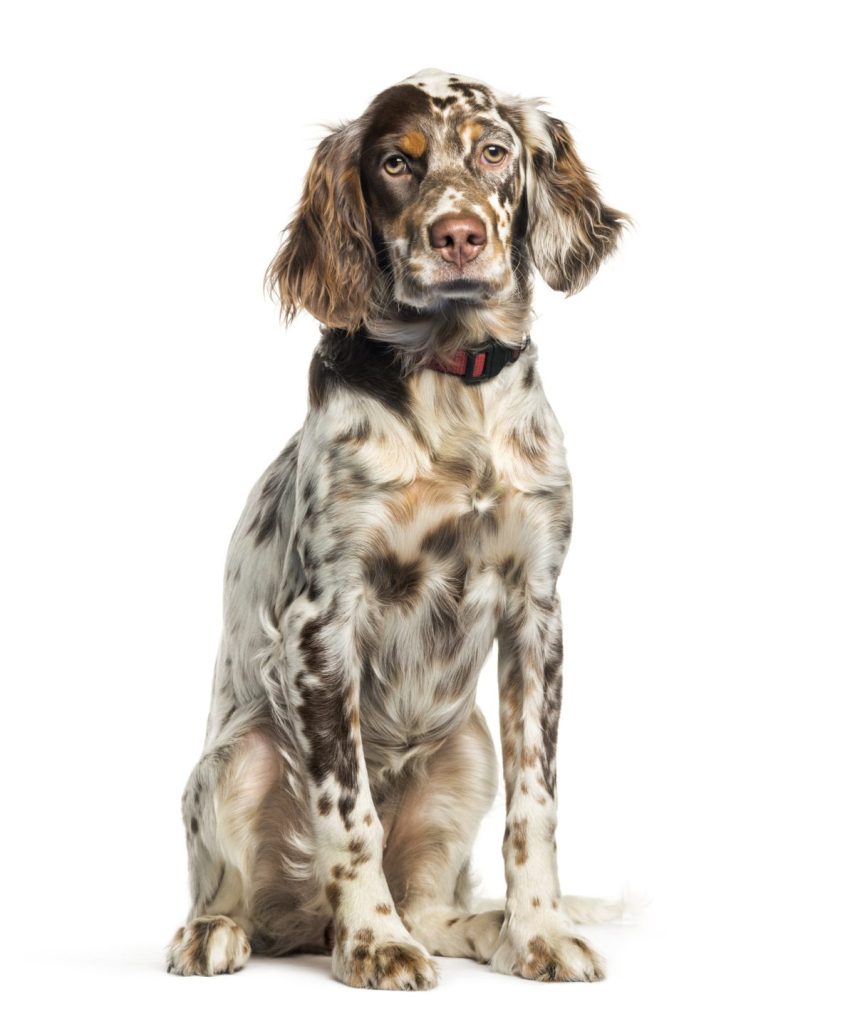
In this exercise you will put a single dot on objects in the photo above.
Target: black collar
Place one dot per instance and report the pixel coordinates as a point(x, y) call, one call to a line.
point(474, 365)
point(479, 364)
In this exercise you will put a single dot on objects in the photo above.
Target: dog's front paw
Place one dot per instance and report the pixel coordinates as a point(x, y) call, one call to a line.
point(546, 954)
point(365, 960)
point(208, 945)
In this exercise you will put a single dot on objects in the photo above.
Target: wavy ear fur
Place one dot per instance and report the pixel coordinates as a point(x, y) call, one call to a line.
point(326, 263)
point(570, 229)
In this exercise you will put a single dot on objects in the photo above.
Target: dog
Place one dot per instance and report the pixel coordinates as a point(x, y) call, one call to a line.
point(422, 512)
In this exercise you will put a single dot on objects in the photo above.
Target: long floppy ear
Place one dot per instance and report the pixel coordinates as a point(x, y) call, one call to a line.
point(570, 229)
point(326, 263)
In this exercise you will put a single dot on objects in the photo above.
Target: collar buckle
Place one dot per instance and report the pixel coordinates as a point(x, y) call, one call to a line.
point(488, 361)
point(479, 364)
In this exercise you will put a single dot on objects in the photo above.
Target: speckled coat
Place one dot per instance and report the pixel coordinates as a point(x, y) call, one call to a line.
point(411, 522)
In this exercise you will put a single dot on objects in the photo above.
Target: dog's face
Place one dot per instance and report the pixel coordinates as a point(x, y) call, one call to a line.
point(441, 196)
point(442, 173)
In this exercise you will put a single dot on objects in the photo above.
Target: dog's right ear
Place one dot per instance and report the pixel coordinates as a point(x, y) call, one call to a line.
point(326, 263)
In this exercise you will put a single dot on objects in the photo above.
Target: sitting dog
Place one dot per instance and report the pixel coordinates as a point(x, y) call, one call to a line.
point(422, 511)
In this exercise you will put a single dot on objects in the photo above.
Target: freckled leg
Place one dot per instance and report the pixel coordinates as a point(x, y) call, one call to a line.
point(372, 948)
point(220, 804)
point(536, 940)
point(431, 829)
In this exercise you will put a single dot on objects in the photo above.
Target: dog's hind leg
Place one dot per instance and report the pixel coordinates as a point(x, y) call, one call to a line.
point(222, 805)
point(431, 828)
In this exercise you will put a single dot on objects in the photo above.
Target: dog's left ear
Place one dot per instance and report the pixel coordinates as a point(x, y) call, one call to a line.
point(570, 230)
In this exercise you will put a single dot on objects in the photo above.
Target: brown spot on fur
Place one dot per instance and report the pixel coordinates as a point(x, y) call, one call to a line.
point(323, 708)
point(356, 433)
point(519, 841)
point(529, 443)
point(324, 805)
point(267, 519)
point(471, 131)
point(346, 804)
point(383, 908)
point(441, 102)
point(442, 540)
point(541, 963)
point(394, 581)
point(359, 852)
point(333, 893)
point(413, 144)
point(529, 757)
point(550, 711)
point(535, 901)
point(364, 935)
point(340, 871)
point(459, 468)
point(512, 571)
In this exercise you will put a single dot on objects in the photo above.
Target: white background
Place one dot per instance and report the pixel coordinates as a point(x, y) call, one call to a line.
point(152, 153)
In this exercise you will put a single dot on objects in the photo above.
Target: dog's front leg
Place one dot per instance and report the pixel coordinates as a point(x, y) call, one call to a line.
point(536, 940)
point(372, 948)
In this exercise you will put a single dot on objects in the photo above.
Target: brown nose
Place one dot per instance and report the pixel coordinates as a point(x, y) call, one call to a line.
point(459, 239)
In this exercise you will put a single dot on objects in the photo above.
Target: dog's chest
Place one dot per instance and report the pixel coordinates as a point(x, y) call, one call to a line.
point(461, 539)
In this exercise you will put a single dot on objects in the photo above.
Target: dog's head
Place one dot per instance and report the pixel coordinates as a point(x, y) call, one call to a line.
point(437, 200)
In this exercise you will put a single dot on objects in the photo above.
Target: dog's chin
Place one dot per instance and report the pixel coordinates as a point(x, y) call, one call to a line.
point(436, 295)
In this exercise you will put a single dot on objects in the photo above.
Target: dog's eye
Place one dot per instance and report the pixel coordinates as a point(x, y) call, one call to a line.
point(396, 165)
point(493, 154)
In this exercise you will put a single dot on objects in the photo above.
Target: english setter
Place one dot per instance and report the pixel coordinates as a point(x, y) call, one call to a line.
point(422, 511)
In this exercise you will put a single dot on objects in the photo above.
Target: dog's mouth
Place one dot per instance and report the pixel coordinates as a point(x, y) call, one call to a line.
point(463, 287)
point(428, 295)
point(423, 283)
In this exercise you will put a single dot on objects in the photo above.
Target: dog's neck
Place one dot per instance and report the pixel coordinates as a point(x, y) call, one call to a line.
point(419, 336)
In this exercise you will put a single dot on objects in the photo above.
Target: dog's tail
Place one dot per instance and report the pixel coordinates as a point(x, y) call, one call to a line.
point(585, 909)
